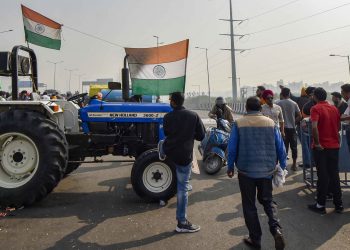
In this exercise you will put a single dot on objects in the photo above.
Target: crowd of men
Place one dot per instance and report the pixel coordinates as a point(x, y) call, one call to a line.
point(26, 95)
point(259, 145)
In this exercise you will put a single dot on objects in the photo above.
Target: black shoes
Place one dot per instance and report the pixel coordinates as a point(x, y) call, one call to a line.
point(251, 243)
point(339, 209)
point(187, 227)
point(279, 240)
point(280, 244)
point(314, 208)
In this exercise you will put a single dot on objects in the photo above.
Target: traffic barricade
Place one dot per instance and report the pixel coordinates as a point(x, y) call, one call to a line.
point(309, 168)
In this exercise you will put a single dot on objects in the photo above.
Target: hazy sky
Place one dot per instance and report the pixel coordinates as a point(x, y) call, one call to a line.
point(132, 23)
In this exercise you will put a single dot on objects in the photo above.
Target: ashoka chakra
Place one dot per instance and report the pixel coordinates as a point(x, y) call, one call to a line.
point(159, 71)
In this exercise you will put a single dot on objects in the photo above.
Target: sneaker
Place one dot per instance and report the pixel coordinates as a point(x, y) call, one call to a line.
point(187, 227)
point(162, 156)
point(279, 240)
point(314, 208)
point(339, 209)
point(189, 188)
point(251, 243)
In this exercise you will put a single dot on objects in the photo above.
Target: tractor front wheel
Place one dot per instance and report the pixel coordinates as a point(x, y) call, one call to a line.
point(153, 179)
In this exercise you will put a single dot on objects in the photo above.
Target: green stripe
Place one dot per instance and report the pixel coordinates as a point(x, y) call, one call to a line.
point(158, 87)
point(42, 41)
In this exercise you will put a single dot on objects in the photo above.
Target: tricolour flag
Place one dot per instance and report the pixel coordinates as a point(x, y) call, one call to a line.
point(40, 30)
point(160, 70)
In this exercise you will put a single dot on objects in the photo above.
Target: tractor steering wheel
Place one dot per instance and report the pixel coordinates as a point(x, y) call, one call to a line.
point(78, 99)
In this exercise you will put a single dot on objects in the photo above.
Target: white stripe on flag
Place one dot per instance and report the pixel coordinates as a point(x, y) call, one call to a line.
point(163, 71)
point(41, 29)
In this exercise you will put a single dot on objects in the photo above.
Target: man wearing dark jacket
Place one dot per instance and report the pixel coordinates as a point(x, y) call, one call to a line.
point(181, 128)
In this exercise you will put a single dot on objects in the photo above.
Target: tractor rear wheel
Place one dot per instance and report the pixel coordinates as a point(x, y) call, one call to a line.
point(33, 157)
point(153, 179)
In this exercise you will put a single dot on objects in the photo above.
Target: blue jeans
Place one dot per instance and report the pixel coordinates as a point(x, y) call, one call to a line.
point(183, 175)
point(305, 146)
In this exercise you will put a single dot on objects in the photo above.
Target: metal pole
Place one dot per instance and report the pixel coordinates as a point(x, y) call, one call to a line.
point(206, 55)
point(54, 77)
point(349, 64)
point(70, 75)
point(233, 59)
point(54, 72)
point(81, 83)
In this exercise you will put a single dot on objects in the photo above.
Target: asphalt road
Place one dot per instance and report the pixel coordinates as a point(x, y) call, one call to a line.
point(96, 208)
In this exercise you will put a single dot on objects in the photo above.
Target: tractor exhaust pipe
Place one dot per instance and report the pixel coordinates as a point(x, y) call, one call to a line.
point(125, 80)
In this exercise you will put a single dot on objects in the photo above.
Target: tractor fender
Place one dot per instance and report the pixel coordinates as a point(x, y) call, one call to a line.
point(49, 109)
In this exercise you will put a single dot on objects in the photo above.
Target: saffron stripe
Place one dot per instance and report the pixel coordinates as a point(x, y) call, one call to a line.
point(162, 54)
point(37, 17)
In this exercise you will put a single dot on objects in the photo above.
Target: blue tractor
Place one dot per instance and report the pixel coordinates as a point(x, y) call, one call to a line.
point(43, 141)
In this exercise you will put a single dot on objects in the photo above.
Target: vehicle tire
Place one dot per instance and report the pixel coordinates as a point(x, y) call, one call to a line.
point(152, 179)
point(212, 164)
point(73, 166)
point(34, 154)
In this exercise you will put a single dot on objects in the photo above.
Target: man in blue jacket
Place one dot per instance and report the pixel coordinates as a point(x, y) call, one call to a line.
point(254, 146)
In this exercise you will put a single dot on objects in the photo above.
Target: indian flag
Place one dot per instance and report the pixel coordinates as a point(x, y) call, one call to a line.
point(40, 30)
point(159, 70)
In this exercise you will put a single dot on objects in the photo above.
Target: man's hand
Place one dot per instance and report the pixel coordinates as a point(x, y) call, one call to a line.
point(230, 173)
point(318, 147)
point(283, 134)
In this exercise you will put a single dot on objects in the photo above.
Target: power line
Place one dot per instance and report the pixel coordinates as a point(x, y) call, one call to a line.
point(298, 20)
point(272, 10)
point(95, 37)
point(298, 38)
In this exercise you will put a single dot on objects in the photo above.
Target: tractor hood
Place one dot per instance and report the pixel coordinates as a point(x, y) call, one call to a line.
point(123, 112)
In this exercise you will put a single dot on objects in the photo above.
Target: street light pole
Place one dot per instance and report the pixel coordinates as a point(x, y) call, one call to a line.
point(157, 37)
point(54, 73)
point(206, 56)
point(348, 57)
point(70, 76)
point(158, 43)
point(81, 83)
